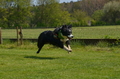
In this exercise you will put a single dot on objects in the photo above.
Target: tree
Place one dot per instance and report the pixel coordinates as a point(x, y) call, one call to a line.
point(54, 16)
point(90, 6)
point(16, 13)
point(111, 12)
point(49, 14)
point(97, 15)
point(3, 17)
point(20, 13)
point(80, 17)
point(97, 18)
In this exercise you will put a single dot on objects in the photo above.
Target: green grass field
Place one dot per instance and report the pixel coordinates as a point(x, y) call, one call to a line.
point(98, 61)
point(85, 62)
point(96, 32)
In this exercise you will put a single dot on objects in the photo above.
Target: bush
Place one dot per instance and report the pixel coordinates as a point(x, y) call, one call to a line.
point(78, 43)
point(98, 23)
point(103, 44)
point(118, 22)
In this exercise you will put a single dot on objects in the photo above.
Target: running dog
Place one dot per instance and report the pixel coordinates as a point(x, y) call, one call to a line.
point(59, 37)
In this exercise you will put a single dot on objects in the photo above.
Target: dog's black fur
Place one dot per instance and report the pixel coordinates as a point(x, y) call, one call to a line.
point(58, 37)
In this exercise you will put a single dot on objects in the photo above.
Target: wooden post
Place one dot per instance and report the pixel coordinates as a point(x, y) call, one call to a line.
point(21, 36)
point(0, 36)
point(17, 36)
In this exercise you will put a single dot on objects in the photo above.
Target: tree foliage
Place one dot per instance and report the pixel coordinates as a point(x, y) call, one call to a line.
point(51, 13)
point(15, 12)
point(111, 12)
point(80, 18)
point(90, 6)
point(3, 16)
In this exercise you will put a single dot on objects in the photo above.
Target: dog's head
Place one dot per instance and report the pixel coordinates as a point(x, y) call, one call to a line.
point(67, 31)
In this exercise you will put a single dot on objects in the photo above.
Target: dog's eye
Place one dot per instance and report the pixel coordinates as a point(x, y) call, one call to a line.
point(70, 31)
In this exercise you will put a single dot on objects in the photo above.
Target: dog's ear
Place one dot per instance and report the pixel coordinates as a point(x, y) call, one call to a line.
point(70, 26)
point(64, 27)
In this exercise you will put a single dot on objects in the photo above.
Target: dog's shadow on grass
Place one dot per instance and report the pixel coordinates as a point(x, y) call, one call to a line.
point(41, 58)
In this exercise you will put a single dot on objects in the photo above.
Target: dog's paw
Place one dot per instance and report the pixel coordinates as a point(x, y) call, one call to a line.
point(37, 52)
point(70, 50)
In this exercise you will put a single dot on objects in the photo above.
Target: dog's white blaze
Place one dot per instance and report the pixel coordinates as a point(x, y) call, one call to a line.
point(70, 36)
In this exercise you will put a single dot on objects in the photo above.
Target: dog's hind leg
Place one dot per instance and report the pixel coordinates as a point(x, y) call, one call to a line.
point(38, 51)
point(40, 47)
point(40, 43)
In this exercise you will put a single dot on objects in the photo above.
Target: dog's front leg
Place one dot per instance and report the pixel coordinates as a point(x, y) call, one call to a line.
point(68, 46)
point(67, 49)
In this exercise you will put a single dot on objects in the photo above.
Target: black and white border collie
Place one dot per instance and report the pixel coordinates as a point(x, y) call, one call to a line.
point(60, 37)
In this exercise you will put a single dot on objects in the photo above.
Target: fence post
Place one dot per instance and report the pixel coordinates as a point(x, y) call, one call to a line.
point(17, 36)
point(21, 36)
point(0, 36)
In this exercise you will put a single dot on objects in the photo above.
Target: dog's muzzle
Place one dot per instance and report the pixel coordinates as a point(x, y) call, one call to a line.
point(70, 36)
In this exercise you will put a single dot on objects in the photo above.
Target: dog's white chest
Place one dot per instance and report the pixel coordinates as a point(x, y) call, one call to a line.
point(64, 40)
